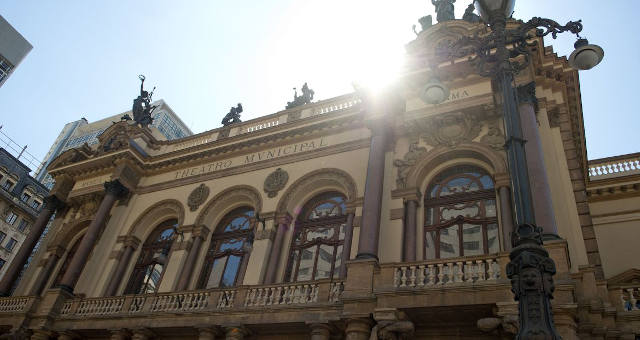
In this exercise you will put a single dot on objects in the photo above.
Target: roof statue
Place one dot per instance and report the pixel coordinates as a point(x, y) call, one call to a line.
point(233, 116)
point(469, 15)
point(142, 108)
point(444, 10)
point(425, 22)
point(305, 98)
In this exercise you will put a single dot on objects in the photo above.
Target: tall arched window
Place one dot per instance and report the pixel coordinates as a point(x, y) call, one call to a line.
point(229, 250)
point(67, 261)
point(460, 214)
point(152, 261)
point(316, 249)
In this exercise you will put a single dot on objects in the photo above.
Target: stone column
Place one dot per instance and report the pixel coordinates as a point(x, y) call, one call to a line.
point(235, 332)
point(506, 215)
point(54, 256)
point(276, 250)
point(119, 334)
point(130, 244)
point(265, 232)
point(410, 229)
point(142, 334)
point(540, 190)
point(320, 331)
point(207, 333)
point(114, 190)
point(371, 208)
point(197, 236)
point(358, 329)
point(348, 240)
point(41, 334)
point(51, 204)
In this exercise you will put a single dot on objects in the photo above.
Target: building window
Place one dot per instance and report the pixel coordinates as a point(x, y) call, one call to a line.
point(2, 236)
point(11, 218)
point(7, 185)
point(67, 261)
point(35, 205)
point(460, 214)
point(5, 68)
point(10, 244)
point(153, 258)
point(2, 263)
point(25, 197)
point(229, 250)
point(23, 225)
point(316, 249)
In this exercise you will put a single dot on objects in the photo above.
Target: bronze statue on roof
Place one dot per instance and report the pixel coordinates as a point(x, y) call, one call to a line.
point(142, 108)
point(444, 10)
point(233, 116)
point(305, 98)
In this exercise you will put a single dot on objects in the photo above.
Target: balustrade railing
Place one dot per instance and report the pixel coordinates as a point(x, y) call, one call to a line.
point(290, 294)
point(100, 306)
point(630, 298)
point(612, 167)
point(14, 304)
point(184, 302)
point(336, 106)
point(447, 272)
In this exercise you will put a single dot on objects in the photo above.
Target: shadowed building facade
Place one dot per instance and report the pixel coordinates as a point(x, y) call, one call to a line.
point(365, 213)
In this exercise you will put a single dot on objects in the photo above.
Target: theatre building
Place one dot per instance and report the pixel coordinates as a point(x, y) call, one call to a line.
point(368, 212)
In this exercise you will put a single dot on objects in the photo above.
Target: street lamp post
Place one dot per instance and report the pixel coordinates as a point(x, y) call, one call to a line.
point(531, 269)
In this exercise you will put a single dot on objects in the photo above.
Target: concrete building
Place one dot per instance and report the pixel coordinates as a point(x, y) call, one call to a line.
point(21, 199)
point(166, 126)
point(13, 48)
point(365, 216)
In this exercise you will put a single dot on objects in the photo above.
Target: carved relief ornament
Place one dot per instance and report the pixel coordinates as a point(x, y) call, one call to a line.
point(494, 137)
point(198, 196)
point(275, 182)
point(450, 129)
point(405, 164)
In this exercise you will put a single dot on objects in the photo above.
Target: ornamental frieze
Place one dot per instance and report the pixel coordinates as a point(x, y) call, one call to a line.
point(198, 196)
point(450, 129)
point(275, 182)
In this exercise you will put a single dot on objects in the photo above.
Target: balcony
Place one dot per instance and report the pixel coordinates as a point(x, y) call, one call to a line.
point(614, 167)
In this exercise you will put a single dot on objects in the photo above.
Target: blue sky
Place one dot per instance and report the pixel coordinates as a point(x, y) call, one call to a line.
point(205, 56)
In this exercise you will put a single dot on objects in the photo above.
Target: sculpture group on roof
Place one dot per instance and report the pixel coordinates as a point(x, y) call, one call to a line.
point(233, 116)
point(305, 98)
point(142, 108)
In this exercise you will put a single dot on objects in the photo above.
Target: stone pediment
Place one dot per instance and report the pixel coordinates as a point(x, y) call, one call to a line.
point(71, 156)
point(626, 278)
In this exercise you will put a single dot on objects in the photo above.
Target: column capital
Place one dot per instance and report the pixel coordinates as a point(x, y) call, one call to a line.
point(527, 94)
point(379, 126)
point(284, 218)
point(271, 215)
point(115, 188)
point(129, 241)
point(142, 334)
point(408, 194)
point(320, 330)
point(200, 231)
point(235, 332)
point(502, 180)
point(120, 334)
point(56, 250)
point(208, 332)
point(53, 203)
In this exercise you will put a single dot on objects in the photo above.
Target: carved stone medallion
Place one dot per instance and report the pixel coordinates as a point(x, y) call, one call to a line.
point(275, 182)
point(198, 196)
point(450, 129)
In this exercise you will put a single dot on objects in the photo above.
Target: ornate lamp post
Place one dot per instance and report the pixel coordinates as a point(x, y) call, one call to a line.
point(531, 269)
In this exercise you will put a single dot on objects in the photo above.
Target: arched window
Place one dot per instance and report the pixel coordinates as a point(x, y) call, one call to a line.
point(460, 214)
point(152, 261)
point(67, 261)
point(229, 250)
point(316, 249)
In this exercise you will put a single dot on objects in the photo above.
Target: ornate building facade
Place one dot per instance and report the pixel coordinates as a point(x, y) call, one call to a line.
point(366, 215)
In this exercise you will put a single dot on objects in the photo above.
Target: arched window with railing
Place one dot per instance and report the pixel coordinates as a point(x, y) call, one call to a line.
point(229, 250)
point(318, 238)
point(67, 260)
point(460, 214)
point(153, 259)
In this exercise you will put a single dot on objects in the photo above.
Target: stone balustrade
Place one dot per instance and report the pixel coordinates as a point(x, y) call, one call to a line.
point(15, 304)
point(626, 298)
point(447, 272)
point(289, 294)
point(183, 302)
point(336, 105)
point(613, 167)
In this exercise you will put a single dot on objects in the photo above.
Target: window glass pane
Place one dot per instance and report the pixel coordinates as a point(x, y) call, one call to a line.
point(230, 273)
point(430, 245)
point(151, 279)
point(470, 209)
point(233, 244)
point(490, 208)
point(492, 236)
point(322, 233)
point(216, 272)
point(338, 261)
point(449, 242)
point(293, 262)
point(325, 259)
point(306, 263)
point(472, 239)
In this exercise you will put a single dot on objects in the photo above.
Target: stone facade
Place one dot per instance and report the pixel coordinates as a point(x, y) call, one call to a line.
point(393, 221)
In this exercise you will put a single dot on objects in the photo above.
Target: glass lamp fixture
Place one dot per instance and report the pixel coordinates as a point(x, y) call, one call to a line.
point(486, 7)
point(434, 92)
point(586, 55)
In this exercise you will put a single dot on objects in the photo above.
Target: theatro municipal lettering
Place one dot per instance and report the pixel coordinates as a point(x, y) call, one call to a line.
point(253, 157)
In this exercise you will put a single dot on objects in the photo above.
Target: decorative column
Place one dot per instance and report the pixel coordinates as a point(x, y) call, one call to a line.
point(539, 182)
point(207, 333)
point(348, 241)
point(358, 329)
point(264, 234)
point(51, 205)
point(198, 235)
point(370, 228)
point(130, 244)
point(55, 254)
point(506, 215)
point(113, 191)
point(276, 250)
point(410, 227)
point(320, 331)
